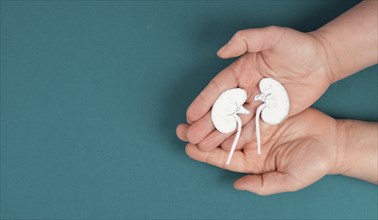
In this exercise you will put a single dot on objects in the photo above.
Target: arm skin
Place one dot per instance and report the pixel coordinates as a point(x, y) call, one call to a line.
point(351, 40)
point(358, 150)
point(296, 153)
point(306, 64)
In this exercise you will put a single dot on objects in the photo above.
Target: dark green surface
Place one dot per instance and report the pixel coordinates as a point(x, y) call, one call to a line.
point(91, 93)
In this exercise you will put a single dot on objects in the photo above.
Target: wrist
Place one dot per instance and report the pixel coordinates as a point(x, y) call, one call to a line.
point(357, 150)
point(341, 164)
point(350, 40)
point(332, 62)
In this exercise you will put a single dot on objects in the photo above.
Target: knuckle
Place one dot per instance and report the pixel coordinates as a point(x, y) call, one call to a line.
point(277, 30)
point(187, 149)
point(203, 93)
point(189, 115)
point(193, 135)
point(214, 83)
point(226, 146)
point(203, 146)
point(239, 34)
point(207, 159)
point(190, 135)
point(206, 145)
point(273, 28)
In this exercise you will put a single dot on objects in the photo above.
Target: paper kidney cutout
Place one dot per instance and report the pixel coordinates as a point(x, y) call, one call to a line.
point(275, 108)
point(224, 114)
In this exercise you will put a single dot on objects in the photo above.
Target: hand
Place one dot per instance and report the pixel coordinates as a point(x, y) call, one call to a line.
point(294, 155)
point(297, 60)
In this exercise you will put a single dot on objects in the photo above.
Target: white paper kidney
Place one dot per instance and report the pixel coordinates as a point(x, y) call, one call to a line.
point(224, 114)
point(274, 110)
point(276, 105)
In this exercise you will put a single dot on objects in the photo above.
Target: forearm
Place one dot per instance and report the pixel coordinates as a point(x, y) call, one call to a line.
point(357, 150)
point(351, 40)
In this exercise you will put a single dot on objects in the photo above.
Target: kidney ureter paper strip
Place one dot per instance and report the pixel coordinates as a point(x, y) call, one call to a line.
point(273, 110)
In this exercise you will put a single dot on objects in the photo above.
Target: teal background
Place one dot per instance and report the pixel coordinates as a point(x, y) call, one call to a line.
point(91, 93)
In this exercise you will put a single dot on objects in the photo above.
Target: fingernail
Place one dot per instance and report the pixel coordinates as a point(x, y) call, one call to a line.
point(189, 121)
point(237, 186)
point(222, 49)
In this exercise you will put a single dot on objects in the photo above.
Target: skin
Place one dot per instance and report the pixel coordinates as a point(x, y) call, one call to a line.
point(297, 153)
point(309, 144)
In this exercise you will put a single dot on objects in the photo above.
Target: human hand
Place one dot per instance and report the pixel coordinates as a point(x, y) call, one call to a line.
point(308, 145)
point(295, 154)
point(295, 59)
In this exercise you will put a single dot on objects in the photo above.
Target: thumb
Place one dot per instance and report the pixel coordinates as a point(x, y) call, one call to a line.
point(268, 183)
point(251, 40)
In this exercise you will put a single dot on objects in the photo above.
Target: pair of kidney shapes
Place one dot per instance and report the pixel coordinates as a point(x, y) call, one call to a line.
point(229, 104)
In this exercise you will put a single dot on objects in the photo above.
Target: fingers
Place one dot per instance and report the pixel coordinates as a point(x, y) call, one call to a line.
point(251, 40)
point(239, 74)
point(200, 129)
point(225, 80)
point(215, 138)
point(212, 141)
point(203, 132)
point(247, 134)
point(217, 157)
point(181, 131)
point(268, 183)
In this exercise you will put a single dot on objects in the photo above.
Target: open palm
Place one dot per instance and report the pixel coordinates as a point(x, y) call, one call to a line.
point(297, 60)
point(295, 154)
